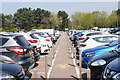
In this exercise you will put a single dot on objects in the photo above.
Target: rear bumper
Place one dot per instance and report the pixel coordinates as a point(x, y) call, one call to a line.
point(37, 57)
point(27, 63)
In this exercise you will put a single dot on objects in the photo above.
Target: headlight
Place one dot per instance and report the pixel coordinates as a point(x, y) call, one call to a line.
point(6, 76)
point(89, 54)
point(99, 62)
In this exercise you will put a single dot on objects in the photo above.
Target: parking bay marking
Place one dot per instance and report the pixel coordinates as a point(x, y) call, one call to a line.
point(63, 66)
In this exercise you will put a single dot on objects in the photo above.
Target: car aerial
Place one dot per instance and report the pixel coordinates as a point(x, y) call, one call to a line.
point(112, 70)
point(91, 52)
point(9, 70)
point(9, 40)
point(98, 63)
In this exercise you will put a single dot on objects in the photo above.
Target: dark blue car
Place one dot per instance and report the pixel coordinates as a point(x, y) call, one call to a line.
point(89, 53)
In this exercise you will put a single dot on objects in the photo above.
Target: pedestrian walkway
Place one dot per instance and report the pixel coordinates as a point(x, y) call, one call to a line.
point(63, 66)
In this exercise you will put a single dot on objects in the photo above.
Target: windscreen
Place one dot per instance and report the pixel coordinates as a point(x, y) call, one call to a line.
point(33, 36)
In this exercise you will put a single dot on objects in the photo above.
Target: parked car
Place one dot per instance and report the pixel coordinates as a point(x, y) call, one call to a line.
point(9, 40)
point(88, 37)
point(89, 53)
point(45, 43)
point(96, 40)
point(11, 71)
point(98, 63)
point(114, 30)
point(25, 59)
point(112, 70)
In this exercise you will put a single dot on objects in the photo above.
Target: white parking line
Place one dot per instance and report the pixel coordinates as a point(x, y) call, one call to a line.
point(50, 69)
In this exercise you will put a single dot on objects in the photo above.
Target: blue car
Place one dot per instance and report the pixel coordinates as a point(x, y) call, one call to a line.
point(89, 53)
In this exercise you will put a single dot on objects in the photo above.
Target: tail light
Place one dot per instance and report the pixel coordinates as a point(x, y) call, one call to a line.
point(24, 69)
point(82, 45)
point(17, 50)
point(81, 38)
point(33, 41)
point(47, 40)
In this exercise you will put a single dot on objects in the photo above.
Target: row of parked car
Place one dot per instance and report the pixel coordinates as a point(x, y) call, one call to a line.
point(100, 52)
point(19, 52)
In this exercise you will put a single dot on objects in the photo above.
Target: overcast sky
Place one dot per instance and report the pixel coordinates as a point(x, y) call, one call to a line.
point(70, 6)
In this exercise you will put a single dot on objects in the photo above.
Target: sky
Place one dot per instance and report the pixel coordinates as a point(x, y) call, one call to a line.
point(70, 6)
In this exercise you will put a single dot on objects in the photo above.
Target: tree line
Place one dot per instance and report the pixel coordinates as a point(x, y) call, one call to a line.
point(96, 19)
point(26, 19)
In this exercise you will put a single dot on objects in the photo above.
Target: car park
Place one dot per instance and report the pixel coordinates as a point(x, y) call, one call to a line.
point(98, 63)
point(91, 52)
point(112, 70)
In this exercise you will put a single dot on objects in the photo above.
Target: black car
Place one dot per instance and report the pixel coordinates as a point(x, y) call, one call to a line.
point(98, 63)
point(18, 40)
point(25, 59)
point(112, 70)
point(9, 70)
point(114, 30)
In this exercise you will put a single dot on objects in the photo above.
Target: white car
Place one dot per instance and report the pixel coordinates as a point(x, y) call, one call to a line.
point(96, 40)
point(88, 34)
point(45, 43)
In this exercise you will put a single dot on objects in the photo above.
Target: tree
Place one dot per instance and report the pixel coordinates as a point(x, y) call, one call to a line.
point(103, 20)
point(113, 19)
point(88, 21)
point(65, 19)
point(118, 16)
point(96, 18)
point(24, 18)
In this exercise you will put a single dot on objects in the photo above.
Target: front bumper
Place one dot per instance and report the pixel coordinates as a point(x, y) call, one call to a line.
point(96, 71)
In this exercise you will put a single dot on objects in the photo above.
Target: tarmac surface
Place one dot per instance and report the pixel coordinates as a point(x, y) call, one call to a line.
point(62, 66)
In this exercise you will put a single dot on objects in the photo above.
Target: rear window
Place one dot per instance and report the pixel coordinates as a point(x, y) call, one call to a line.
point(115, 43)
point(3, 41)
point(91, 34)
point(21, 41)
point(106, 39)
point(33, 36)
